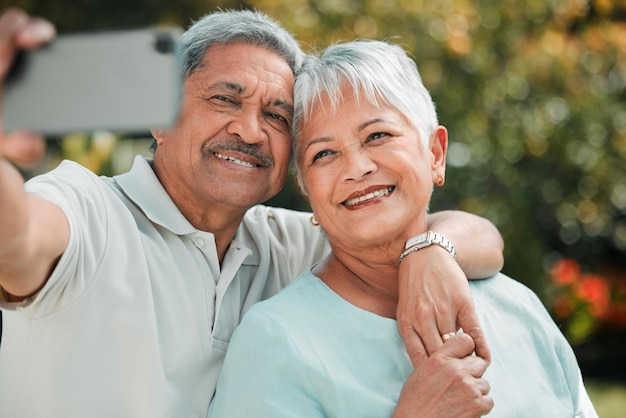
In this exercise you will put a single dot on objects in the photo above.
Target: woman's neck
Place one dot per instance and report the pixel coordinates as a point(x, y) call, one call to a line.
point(372, 287)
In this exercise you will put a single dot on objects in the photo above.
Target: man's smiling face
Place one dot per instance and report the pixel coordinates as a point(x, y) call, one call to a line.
point(232, 143)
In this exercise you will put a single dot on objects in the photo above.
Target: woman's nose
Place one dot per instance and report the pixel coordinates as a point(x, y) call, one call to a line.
point(358, 164)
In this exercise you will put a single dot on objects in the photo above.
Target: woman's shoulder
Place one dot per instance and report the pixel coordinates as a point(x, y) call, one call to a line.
point(504, 288)
point(502, 299)
point(298, 297)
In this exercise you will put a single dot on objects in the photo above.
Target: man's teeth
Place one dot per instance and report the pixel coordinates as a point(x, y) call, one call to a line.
point(368, 196)
point(234, 160)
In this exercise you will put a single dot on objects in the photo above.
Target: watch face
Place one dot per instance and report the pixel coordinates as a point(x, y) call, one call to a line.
point(420, 239)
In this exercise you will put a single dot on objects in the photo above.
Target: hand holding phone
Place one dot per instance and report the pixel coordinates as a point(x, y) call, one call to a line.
point(121, 81)
point(20, 31)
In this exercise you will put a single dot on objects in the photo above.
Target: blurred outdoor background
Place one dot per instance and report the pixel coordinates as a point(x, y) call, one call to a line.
point(533, 93)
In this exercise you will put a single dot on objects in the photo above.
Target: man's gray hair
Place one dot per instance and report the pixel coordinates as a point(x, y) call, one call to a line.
point(245, 26)
point(249, 27)
point(380, 71)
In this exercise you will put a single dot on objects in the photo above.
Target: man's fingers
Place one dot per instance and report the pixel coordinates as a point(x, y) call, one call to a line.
point(10, 21)
point(459, 346)
point(23, 148)
point(484, 386)
point(475, 366)
point(24, 31)
point(17, 31)
point(34, 33)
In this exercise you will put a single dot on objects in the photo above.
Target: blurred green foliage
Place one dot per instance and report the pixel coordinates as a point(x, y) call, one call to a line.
point(532, 92)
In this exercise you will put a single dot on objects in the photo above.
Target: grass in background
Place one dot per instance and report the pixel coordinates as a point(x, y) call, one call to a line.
point(608, 398)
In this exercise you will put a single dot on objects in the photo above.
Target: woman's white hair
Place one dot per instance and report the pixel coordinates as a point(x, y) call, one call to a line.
point(380, 71)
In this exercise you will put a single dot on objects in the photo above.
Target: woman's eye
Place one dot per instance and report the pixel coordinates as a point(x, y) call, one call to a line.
point(377, 135)
point(321, 154)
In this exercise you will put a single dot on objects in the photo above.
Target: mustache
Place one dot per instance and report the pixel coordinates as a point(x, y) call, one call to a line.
point(239, 146)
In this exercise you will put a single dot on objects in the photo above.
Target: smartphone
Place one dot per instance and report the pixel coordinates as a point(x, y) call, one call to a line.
point(122, 81)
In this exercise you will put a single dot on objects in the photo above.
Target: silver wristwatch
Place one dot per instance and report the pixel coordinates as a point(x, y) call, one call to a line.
point(425, 240)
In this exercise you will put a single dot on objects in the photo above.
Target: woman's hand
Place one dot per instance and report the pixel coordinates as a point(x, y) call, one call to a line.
point(435, 299)
point(447, 384)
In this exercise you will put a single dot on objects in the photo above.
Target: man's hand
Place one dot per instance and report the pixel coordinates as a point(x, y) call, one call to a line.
point(435, 299)
point(20, 31)
point(33, 231)
point(449, 383)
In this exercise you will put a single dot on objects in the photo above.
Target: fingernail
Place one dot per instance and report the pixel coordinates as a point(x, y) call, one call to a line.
point(40, 30)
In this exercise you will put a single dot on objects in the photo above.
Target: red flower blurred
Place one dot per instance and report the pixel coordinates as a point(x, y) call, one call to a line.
point(565, 271)
point(588, 303)
point(563, 306)
point(594, 290)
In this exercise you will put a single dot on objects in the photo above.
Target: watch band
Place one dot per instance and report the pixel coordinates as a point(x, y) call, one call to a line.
point(427, 239)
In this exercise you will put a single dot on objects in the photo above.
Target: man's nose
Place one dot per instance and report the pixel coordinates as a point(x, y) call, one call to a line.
point(248, 126)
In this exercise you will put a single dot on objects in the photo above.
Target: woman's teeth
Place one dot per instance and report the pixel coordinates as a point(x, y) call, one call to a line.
point(377, 193)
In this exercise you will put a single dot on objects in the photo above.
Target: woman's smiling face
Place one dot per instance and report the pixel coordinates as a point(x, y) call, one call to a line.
point(365, 170)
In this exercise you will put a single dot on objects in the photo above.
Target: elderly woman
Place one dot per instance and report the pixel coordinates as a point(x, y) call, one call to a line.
point(368, 151)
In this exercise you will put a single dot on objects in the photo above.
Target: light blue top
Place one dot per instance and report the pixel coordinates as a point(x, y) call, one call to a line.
point(307, 352)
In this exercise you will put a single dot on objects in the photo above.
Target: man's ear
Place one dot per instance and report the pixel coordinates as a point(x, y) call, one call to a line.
point(439, 149)
point(157, 134)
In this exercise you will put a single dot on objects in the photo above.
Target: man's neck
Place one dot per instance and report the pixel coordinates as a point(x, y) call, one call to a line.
point(220, 219)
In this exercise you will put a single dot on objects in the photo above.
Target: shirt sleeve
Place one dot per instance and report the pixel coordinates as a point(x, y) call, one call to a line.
point(264, 375)
point(584, 407)
point(582, 404)
point(79, 194)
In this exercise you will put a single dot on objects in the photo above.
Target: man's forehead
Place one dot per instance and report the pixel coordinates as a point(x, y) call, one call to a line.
point(241, 51)
point(242, 67)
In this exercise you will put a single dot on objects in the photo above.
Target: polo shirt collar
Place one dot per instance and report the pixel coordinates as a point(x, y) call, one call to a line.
point(142, 186)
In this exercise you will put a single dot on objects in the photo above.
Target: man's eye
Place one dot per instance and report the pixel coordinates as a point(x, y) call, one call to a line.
point(277, 116)
point(223, 99)
point(278, 121)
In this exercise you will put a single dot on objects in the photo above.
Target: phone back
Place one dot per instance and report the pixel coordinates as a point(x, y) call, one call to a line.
point(121, 81)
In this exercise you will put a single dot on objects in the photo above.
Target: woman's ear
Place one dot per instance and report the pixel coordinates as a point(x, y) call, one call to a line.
point(438, 149)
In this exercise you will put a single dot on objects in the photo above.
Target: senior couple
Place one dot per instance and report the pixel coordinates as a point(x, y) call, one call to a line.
point(121, 294)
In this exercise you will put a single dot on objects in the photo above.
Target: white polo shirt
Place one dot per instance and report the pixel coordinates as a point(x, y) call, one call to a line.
point(137, 316)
